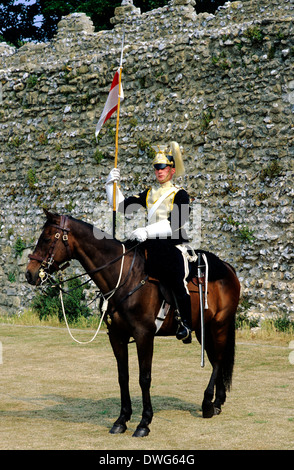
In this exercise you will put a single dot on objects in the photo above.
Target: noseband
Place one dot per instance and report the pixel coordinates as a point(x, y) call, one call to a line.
point(48, 260)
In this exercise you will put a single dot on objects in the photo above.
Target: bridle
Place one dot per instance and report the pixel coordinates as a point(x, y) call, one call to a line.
point(62, 234)
point(48, 260)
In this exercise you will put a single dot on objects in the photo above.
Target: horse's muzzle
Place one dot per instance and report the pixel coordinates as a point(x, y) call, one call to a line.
point(32, 278)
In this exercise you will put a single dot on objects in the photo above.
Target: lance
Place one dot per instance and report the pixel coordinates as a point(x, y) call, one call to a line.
point(116, 139)
point(201, 277)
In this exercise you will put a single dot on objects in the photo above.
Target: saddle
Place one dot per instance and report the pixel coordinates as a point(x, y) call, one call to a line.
point(198, 275)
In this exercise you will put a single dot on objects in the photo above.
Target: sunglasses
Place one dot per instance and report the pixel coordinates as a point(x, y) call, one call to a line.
point(160, 166)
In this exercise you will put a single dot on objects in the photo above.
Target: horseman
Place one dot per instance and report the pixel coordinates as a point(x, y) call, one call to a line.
point(164, 235)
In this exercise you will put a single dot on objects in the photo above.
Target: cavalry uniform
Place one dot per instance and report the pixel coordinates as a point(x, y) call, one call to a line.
point(164, 235)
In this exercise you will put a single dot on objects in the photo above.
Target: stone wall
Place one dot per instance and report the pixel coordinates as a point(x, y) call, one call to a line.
point(221, 85)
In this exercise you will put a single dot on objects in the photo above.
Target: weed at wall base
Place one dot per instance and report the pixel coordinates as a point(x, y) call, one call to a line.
point(47, 304)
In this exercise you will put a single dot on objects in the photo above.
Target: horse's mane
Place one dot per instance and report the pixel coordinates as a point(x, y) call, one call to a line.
point(84, 224)
point(80, 222)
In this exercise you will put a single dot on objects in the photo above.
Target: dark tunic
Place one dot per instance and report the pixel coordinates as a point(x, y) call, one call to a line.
point(164, 259)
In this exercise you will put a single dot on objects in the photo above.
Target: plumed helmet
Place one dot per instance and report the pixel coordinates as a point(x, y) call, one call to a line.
point(169, 155)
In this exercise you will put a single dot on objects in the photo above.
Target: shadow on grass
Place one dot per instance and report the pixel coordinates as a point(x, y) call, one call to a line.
point(98, 412)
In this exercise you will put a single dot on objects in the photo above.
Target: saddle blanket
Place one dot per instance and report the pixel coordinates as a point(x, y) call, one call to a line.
point(164, 309)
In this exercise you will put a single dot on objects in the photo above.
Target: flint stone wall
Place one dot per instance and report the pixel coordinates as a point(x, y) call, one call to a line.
point(221, 85)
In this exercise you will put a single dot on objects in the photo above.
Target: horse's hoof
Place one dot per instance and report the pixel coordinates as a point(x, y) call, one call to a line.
point(208, 411)
point(118, 429)
point(141, 432)
point(217, 411)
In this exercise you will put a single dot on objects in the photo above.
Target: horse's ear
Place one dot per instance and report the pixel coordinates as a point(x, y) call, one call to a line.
point(48, 214)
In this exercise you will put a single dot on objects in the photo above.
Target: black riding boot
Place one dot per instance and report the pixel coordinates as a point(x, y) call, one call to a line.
point(185, 325)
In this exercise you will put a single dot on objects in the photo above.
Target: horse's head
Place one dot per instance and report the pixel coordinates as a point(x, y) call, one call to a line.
point(53, 249)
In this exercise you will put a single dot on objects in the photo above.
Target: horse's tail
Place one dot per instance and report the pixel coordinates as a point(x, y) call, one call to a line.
point(229, 356)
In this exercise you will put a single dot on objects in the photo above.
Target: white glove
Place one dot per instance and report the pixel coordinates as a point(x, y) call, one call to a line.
point(140, 234)
point(160, 229)
point(114, 176)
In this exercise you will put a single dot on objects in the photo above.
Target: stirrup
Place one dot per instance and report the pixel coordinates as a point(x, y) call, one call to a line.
point(184, 333)
point(188, 340)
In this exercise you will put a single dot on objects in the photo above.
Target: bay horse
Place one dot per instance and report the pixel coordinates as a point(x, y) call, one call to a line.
point(135, 303)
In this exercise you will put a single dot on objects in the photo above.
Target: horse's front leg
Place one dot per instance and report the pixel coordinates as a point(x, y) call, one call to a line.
point(120, 349)
point(145, 353)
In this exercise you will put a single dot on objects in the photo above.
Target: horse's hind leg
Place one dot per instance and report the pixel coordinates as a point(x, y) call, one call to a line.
point(210, 408)
point(207, 405)
point(120, 349)
point(220, 393)
point(220, 348)
point(224, 378)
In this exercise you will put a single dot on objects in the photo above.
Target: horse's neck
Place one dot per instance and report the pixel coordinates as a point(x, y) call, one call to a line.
point(93, 253)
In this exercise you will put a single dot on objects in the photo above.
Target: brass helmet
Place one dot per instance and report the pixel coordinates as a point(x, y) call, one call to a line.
point(169, 155)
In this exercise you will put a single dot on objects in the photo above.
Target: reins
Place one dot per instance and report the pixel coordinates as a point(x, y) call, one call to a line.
point(49, 261)
point(103, 308)
point(104, 266)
